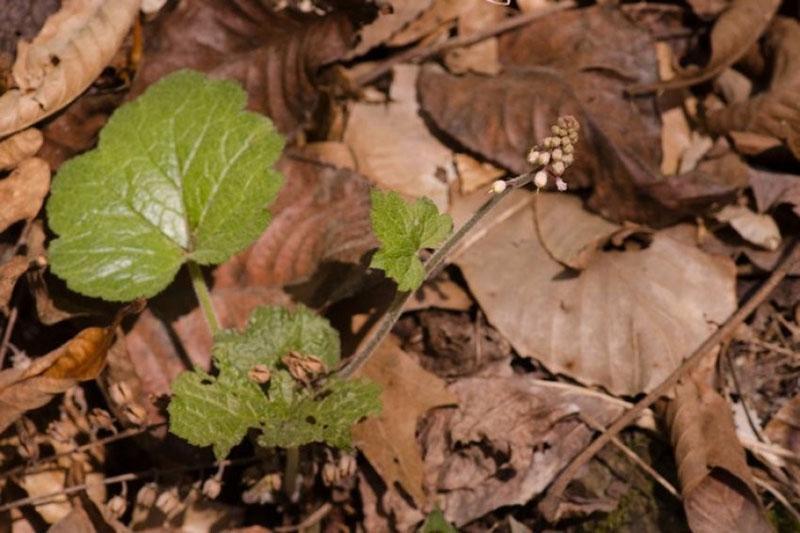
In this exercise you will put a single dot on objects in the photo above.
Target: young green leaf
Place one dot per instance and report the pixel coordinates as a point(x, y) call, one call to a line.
point(182, 173)
point(218, 411)
point(403, 229)
point(273, 332)
point(437, 523)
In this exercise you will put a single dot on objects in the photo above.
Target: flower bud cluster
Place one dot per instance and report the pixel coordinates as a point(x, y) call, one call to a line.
point(556, 153)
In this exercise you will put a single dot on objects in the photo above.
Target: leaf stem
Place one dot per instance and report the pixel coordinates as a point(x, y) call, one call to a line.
point(290, 470)
point(432, 265)
point(203, 297)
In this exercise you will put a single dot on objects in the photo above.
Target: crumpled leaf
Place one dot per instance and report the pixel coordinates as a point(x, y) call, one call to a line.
point(321, 214)
point(182, 173)
point(717, 486)
point(736, 30)
point(275, 56)
point(18, 147)
point(403, 229)
point(80, 359)
point(759, 229)
point(624, 323)
point(70, 51)
point(506, 441)
point(389, 439)
point(776, 111)
point(23, 191)
point(772, 188)
point(394, 148)
point(575, 63)
point(10, 272)
point(219, 410)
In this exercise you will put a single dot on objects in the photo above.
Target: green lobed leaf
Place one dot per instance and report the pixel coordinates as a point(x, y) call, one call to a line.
point(181, 173)
point(403, 229)
point(273, 332)
point(218, 411)
point(207, 410)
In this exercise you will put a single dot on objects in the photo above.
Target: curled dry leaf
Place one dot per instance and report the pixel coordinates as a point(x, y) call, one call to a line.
point(568, 233)
point(759, 229)
point(392, 144)
point(71, 50)
point(624, 323)
point(81, 359)
point(10, 272)
point(776, 111)
point(22, 192)
point(481, 57)
point(321, 214)
point(772, 188)
point(718, 489)
point(389, 439)
point(275, 56)
point(18, 147)
point(736, 30)
point(394, 16)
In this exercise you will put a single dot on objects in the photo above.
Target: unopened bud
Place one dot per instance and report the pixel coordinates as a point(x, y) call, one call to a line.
point(544, 158)
point(498, 187)
point(168, 501)
point(135, 413)
point(540, 179)
point(347, 466)
point(557, 154)
point(330, 474)
point(558, 168)
point(568, 147)
point(568, 159)
point(116, 506)
point(211, 488)
point(533, 156)
point(561, 185)
point(146, 496)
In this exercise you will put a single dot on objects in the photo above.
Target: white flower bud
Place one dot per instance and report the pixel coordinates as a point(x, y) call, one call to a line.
point(116, 506)
point(561, 185)
point(533, 156)
point(568, 147)
point(330, 474)
point(555, 130)
point(548, 142)
point(498, 187)
point(557, 154)
point(544, 158)
point(568, 159)
point(540, 179)
point(558, 168)
point(556, 141)
point(212, 488)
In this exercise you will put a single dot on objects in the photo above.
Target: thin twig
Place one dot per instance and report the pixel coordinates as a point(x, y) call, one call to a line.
point(423, 52)
point(549, 506)
point(778, 496)
point(432, 265)
point(9, 329)
point(633, 457)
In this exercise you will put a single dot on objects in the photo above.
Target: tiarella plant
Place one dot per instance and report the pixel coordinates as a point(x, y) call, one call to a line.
point(184, 175)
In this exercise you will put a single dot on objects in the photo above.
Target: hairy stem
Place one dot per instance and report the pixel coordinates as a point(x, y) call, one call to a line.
point(203, 297)
point(432, 265)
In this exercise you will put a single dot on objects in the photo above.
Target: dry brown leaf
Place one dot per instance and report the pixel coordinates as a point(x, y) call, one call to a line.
point(575, 63)
point(506, 441)
point(440, 295)
point(393, 146)
point(321, 214)
point(759, 229)
point(775, 112)
point(481, 57)
point(772, 188)
point(22, 192)
point(736, 30)
point(440, 13)
point(389, 440)
point(80, 359)
point(569, 234)
point(19, 146)
point(718, 489)
point(275, 56)
point(10, 272)
point(784, 430)
point(71, 50)
point(624, 323)
point(394, 17)
point(21, 19)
